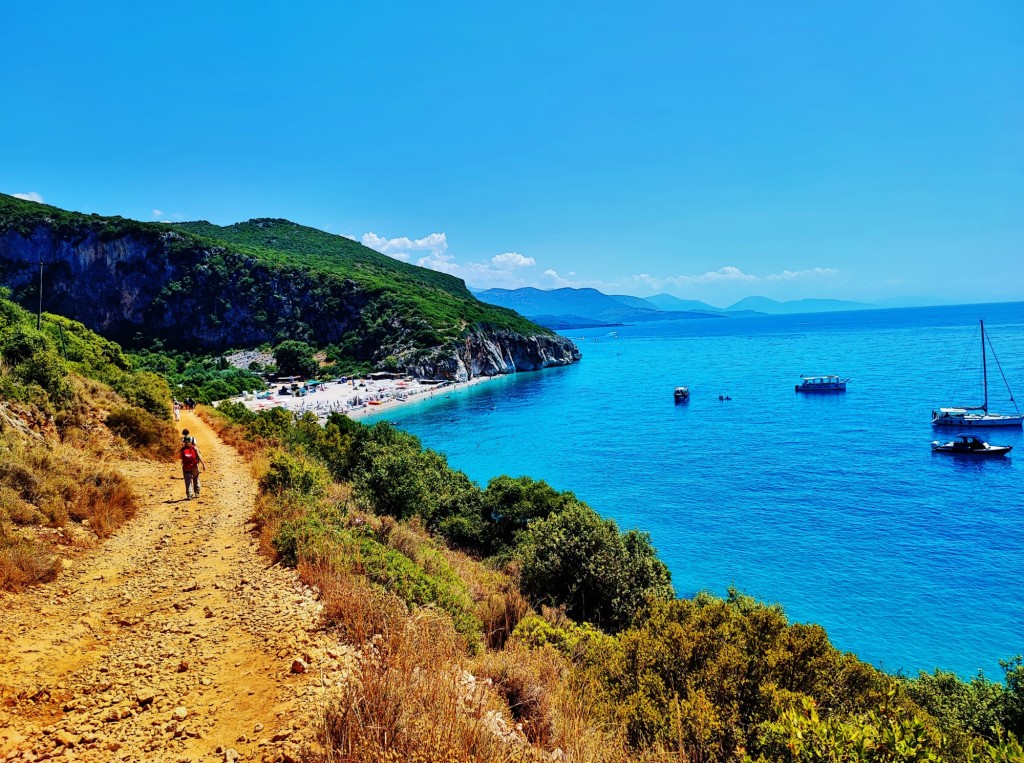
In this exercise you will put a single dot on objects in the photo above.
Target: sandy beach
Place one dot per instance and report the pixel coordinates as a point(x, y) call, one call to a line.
point(355, 398)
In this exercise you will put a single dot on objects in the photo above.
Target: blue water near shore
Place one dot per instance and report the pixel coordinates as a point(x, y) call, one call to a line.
point(832, 505)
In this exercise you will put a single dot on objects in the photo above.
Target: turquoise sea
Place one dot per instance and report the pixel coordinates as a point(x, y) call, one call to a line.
point(833, 506)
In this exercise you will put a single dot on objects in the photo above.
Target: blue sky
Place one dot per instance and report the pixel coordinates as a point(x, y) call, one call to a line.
point(712, 150)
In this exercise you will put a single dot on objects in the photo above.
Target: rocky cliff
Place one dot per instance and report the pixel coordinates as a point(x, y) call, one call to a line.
point(138, 282)
point(490, 354)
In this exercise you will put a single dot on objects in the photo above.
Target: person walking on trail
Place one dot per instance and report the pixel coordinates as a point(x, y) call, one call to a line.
point(177, 410)
point(191, 460)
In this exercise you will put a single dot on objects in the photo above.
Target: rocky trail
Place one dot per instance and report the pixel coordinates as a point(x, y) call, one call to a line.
point(171, 641)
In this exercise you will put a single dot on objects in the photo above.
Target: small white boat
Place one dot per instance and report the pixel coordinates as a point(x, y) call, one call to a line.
point(970, 445)
point(829, 383)
point(979, 416)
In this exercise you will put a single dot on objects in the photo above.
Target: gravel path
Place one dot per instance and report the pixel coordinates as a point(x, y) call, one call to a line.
point(172, 640)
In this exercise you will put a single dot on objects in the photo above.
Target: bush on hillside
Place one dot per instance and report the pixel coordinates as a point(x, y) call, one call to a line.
point(295, 358)
point(147, 390)
point(578, 560)
point(35, 364)
point(511, 503)
point(701, 676)
point(976, 708)
point(143, 430)
point(288, 473)
point(887, 734)
point(398, 477)
point(25, 562)
point(962, 708)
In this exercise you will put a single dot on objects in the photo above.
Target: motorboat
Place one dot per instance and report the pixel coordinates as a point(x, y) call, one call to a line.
point(681, 394)
point(979, 416)
point(970, 445)
point(828, 383)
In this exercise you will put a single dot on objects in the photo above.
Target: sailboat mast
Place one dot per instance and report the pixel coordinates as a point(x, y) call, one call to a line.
point(984, 366)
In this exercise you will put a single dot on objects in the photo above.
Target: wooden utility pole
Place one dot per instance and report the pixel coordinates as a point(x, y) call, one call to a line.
point(39, 315)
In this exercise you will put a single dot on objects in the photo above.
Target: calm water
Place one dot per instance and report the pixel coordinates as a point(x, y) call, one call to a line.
point(833, 506)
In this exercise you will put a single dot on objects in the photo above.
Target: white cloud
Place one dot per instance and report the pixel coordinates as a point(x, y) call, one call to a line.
point(434, 242)
point(432, 252)
point(552, 279)
point(802, 275)
point(481, 275)
point(511, 261)
point(158, 213)
point(30, 196)
point(733, 275)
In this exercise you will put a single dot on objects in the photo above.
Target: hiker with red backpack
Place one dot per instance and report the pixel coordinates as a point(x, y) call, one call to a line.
point(191, 459)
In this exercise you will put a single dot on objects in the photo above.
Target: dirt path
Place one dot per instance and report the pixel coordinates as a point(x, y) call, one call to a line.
point(172, 640)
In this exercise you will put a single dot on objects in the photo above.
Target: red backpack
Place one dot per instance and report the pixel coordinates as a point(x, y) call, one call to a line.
point(189, 457)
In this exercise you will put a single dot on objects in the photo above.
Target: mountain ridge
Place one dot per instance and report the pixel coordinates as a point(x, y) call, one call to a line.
point(261, 281)
point(568, 305)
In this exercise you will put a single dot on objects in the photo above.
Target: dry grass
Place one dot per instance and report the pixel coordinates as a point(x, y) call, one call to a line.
point(499, 604)
point(147, 435)
point(412, 699)
point(409, 700)
point(235, 435)
point(356, 608)
point(25, 562)
point(528, 680)
point(53, 484)
point(268, 516)
point(414, 693)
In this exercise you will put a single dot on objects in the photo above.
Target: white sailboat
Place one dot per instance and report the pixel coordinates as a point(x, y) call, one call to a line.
point(978, 415)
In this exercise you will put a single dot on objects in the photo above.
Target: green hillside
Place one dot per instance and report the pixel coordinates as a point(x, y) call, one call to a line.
point(261, 281)
point(70, 401)
point(442, 299)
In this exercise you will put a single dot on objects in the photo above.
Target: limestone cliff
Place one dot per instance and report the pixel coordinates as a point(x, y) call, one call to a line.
point(495, 353)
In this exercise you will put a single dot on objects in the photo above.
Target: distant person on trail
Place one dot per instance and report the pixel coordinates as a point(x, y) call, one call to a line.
point(191, 459)
point(190, 404)
point(177, 410)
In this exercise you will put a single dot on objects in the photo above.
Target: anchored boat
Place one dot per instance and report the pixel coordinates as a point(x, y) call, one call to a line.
point(968, 416)
point(830, 383)
point(682, 394)
point(970, 445)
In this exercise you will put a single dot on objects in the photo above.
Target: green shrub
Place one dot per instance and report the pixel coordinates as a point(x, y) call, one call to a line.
point(147, 390)
point(295, 358)
point(569, 638)
point(399, 478)
point(288, 473)
point(35, 362)
point(510, 504)
point(703, 676)
point(413, 584)
point(580, 561)
point(961, 708)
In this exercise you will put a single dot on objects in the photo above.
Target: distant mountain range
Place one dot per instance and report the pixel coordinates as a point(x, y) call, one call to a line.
point(579, 308)
point(568, 308)
point(774, 307)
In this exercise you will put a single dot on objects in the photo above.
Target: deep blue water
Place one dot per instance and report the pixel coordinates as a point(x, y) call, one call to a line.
point(833, 506)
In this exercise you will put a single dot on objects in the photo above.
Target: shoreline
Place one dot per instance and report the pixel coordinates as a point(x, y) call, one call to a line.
point(358, 399)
